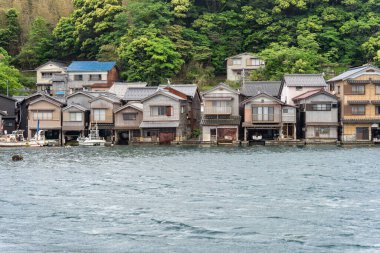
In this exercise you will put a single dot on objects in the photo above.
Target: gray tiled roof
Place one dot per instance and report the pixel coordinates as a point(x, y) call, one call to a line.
point(137, 94)
point(187, 89)
point(350, 72)
point(120, 88)
point(231, 120)
point(305, 80)
point(250, 89)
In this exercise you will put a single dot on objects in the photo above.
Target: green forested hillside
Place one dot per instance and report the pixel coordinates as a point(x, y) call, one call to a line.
point(189, 40)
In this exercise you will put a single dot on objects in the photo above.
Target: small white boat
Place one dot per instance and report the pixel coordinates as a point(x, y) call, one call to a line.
point(38, 140)
point(16, 139)
point(93, 139)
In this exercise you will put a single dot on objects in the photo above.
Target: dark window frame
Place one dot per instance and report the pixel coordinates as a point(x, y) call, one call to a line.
point(357, 91)
point(357, 111)
point(129, 116)
point(321, 107)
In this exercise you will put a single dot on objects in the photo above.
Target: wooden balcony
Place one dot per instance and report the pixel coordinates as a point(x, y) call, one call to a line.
point(218, 110)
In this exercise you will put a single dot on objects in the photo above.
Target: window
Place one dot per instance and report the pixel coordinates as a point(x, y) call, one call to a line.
point(298, 88)
point(218, 103)
point(321, 107)
point(95, 77)
point(358, 109)
point(43, 115)
point(285, 110)
point(75, 116)
point(263, 113)
point(377, 89)
point(236, 61)
point(182, 109)
point(377, 110)
point(78, 77)
point(255, 62)
point(322, 131)
point(99, 114)
point(47, 75)
point(332, 87)
point(161, 110)
point(358, 89)
point(129, 116)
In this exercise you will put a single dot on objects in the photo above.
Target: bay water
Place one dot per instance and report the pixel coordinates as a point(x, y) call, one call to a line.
point(190, 199)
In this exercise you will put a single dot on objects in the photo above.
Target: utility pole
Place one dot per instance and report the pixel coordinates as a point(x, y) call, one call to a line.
point(7, 88)
point(243, 76)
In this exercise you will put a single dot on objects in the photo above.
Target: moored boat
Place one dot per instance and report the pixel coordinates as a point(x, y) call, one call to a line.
point(93, 139)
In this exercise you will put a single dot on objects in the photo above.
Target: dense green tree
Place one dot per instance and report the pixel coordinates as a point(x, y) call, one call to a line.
point(149, 58)
point(39, 46)
point(303, 34)
point(8, 75)
point(88, 28)
point(282, 59)
point(10, 36)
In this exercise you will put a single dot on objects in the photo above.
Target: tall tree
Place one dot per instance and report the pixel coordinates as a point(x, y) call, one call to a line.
point(10, 36)
point(39, 46)
point(9, 76)
point(150, 58)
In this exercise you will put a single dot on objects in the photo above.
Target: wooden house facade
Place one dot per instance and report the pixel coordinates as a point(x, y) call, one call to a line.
point(8, 111)
point(317, 116)
point(128, 119)
point(45, 113)
point(164, 117)
point(268, 118)
point(359, 92)
point(221, 118)
point(102, 114)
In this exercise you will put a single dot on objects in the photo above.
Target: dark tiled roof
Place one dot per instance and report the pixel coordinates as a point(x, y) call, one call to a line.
point(250, 89)
point(231, 120)
point(305, 80)
point(79, 66)
point(139, 93)
point(187, 89)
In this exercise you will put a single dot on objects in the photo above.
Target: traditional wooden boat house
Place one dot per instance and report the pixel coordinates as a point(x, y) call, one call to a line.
point(359, 92)
point(268, 118)
point(76, 115)
point(317, 116)
point(128, 119)
point(102, 114)
point(164, 117)
point(45, 114)
point(220, 120)
point(8, 111)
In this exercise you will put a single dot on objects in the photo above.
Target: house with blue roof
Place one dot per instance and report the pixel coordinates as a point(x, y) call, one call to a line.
point(91, 75)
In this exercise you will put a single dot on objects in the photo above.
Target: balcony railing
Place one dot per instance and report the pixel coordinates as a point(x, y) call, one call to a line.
point(218, 110)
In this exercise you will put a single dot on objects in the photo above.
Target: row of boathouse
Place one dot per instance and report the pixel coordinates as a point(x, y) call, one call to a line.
point(299, 108)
